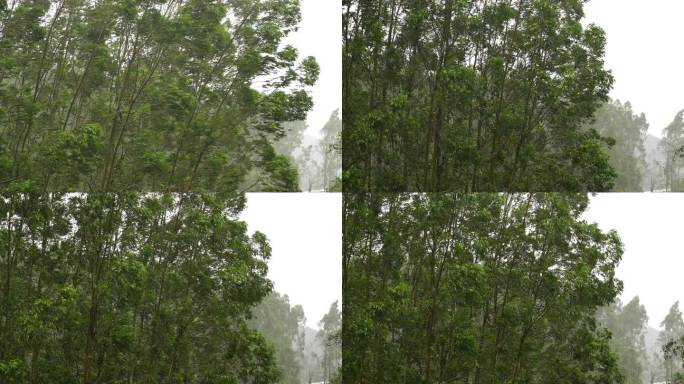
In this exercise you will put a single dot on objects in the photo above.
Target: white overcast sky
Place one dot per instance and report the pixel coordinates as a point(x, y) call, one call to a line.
point(645, 54)
point(305, 233)
point(320, 35)
point(650, 226)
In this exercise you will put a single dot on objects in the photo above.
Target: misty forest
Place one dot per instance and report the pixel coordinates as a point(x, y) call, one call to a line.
point(148, 288)
point(149, 95)
point(318, 158)
point(491, 95)
point(493, 288)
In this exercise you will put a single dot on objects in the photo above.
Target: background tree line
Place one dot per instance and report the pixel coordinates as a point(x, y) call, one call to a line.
point(476, 288)
point(318, 158)
point(625, 134)
point(108, 288)
point(646, 354)
point(473, 95)
point(149, 95)
point(304, 355)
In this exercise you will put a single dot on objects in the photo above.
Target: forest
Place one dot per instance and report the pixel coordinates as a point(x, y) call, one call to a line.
point(318, 158)
point(304, 355)
point(490, 95)
point(149, 95)
point(493, 288)
point(148, 288)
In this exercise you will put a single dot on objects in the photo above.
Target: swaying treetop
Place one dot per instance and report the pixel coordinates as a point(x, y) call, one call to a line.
point(476, 289)
point(472, 95)
point(111, 288)
point(171, 95)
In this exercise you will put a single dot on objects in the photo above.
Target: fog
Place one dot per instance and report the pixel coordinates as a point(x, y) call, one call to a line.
point(650, 228)
point(642, 52)
point(304, 231)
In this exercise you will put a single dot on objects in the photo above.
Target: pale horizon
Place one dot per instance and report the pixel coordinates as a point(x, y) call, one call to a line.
point(649, 226)
point(643, 53)
point(320, 35)
point(305, 234)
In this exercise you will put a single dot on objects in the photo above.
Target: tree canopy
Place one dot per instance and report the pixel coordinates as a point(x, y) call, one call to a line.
point(672, 145)
point(283, 326)
point(476, 288)
point(627, 325)
point(472, 95)
point(671, 339)
point(112, 288)
point(318, 158)
point(149, 95)
point(626, 133)
point(330, 336)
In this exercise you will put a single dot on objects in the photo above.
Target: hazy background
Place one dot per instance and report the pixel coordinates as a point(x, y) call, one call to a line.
point(650, 226)
point(320, 35)
point(305, 233)
point(644, 52)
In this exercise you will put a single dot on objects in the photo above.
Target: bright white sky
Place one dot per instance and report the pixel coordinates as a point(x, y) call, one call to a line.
point(320, 35)
point(650, 226)
point(305, 233)
point(645, 54)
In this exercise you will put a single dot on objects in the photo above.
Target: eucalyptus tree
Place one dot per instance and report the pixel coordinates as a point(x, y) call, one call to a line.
point(331, 148)
point(476, 288)
point(161, 95)
point(112, 288)
point(330, 337)
point(627, 325)
point(626, 133)
point(318, 158)
point(670, 340)
point(283, 326)
point(472, 95)
point(672, 145)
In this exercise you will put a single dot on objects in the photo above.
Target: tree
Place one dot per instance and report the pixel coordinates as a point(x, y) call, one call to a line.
point(158, 95)
point(319, 159)
point(673, 330)
point(472, 96)
point(627, 132)
point(107, 288)
point(331, 148)
point(627, 325)
point(329, 334)
point(476, 288)
point(672, 144)
point(282, 326)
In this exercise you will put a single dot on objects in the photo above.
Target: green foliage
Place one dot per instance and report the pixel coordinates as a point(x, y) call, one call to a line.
point(672, 145)
point(627, 325)
point(472, 96)
point(112, 288)
point(319, 164)
point(627, 133)
point(330, 335)
point(331, 148)
point(476, 288)
point(148, 95)
point(671, 339)
point(282, 326)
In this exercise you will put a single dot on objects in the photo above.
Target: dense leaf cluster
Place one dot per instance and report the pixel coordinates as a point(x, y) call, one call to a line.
point(148, 95)
point(472, 95)
point(477, 289)
point(106, 288)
